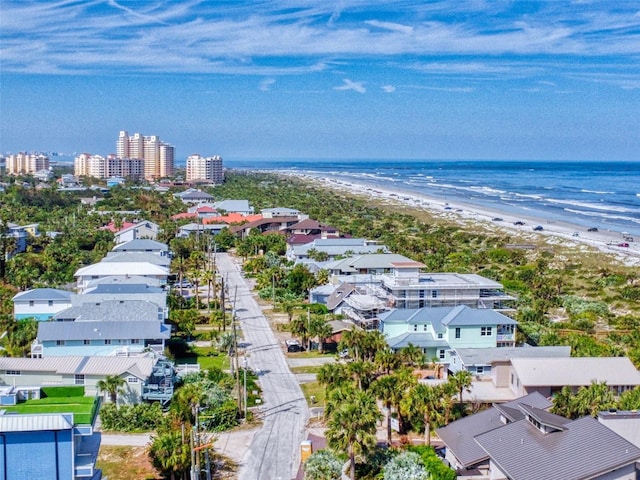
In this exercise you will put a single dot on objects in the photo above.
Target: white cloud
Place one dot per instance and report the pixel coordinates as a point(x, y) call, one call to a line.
point(349, 85)
point(388, 88)
point(394, 27)
point(266, 84)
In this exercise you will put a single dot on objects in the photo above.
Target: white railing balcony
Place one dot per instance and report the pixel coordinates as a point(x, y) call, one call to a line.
point(505, 337)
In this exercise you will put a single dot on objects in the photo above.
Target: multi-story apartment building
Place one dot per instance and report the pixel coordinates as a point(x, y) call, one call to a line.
point(158, 156)
point(26, 163)
point(204, 169)
point(112, 166)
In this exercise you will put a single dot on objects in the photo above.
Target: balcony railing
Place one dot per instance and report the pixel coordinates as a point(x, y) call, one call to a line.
point(505, 337)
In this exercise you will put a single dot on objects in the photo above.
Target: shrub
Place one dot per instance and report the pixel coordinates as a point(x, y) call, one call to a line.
point(405, 466)
point(142, 417)
point(323, 465)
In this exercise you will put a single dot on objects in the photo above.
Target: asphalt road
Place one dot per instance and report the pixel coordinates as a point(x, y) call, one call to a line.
point(274, 452)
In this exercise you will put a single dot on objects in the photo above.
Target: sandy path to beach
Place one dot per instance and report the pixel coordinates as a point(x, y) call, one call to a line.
point(554, 232)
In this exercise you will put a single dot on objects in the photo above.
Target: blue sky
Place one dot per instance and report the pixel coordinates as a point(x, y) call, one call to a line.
point(451, 79)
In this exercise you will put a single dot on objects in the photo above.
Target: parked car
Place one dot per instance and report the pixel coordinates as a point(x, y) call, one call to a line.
point(496, 219)
point(518, 223)
point(592, 229)
point(293, 346)
point(538, 228)
point(623, 244)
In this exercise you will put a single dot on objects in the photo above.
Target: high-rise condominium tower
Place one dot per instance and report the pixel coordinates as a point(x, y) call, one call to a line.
point(158, 156)
point(204, 169)
point(25, 163)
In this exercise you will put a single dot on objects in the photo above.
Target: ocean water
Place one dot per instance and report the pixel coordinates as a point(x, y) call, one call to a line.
point(605, 195)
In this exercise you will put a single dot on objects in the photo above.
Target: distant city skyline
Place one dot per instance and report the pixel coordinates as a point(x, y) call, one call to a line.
point(450, 79)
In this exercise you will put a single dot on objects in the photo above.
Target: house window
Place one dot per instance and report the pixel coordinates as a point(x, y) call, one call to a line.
point(132, 379)
point(415, 328)
point(107, 342)
point(60, 343)
point(87, 342)
point(13, 373)
point(439, 335)
point(424, 328)
point(31, 303)
point(434, 293)
point(441, 354)
point(512, 380)
point(485, 331)
point(480, 369)
point(50, 303)
point(458, 332)
point(79, 380)
point(135, 341)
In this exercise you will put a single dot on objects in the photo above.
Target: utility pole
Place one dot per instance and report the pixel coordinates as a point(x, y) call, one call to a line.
point(244, 364)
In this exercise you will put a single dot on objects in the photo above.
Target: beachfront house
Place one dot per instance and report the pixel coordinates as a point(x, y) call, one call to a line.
point(407, 287)
point(440, 330)
point(329, 249)
point(194, 229)
point(40, 303)
point(280, 212)
point(108, 328)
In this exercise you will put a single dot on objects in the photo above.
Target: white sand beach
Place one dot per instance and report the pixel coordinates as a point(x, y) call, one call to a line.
point(554, 232)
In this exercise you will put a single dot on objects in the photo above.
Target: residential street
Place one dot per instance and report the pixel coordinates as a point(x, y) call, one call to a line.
point(274, 452)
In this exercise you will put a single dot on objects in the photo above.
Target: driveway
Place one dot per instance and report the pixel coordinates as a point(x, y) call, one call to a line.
point(274, 451)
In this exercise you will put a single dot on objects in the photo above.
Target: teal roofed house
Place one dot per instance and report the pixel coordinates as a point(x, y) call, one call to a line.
point(40, 303)
point(440, 330)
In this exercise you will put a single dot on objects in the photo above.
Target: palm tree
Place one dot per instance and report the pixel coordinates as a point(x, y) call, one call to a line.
point(386, 360)
point(426, 399)
point(384, 388)
point(113, 385)
point(462, 382)
point(412, 355)
point(352, 340)
point(362, 372)
point(593, 399)
point(352, 427)
point(320, 329)
point(169, 454)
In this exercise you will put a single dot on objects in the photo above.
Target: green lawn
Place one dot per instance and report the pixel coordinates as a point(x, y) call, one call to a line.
point(81, 407)
point(306, 369)
point(201, 356)
point(313, 389)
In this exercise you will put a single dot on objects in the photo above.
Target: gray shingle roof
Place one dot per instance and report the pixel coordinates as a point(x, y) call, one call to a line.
point(123, 289)
point(137, 256)
point(141, 244)
point(110, 310)
point(585, 448)
point(42, 294)
point(104, 330)
point(459, 435)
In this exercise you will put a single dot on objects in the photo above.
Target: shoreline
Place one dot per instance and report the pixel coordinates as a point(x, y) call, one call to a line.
point(467, 214)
